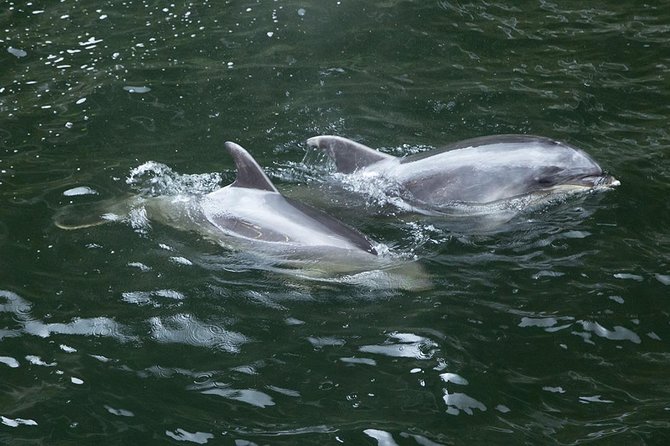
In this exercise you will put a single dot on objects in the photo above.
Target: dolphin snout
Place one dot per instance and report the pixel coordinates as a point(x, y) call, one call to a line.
point(599, 181)
point(608, 181)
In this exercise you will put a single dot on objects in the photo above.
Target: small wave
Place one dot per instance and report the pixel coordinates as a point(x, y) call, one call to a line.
point(249, 396)
point(460, 402)
point(191, 437)
point(143, 298)
point(186, 329)
point(98, 326)
point(403, 345)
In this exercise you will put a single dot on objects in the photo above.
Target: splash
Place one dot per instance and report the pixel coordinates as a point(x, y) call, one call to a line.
point(379, 190)
point(154, 179)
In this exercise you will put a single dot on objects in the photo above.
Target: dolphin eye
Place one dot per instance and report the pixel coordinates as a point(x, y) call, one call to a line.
point(545, 181)
point(548, 176)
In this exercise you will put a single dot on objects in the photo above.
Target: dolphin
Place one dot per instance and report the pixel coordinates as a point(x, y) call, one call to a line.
point(250, 210)
point(483, 173)
point(248, 215)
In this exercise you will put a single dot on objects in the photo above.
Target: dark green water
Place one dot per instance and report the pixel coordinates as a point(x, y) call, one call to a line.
point(551, 329)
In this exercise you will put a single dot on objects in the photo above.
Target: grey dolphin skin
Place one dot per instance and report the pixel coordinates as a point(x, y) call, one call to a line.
point(252, 217)
point(249, 211)
point(479, 171)
point(252, 208)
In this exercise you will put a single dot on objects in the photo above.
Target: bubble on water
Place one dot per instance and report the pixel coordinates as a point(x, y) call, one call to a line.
point(17, 52)
point(135, 89)
point(81, 190)
point(301, 12)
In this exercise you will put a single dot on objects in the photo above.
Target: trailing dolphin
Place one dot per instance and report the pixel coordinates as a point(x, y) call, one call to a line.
point(482, 174)
point(248, 215)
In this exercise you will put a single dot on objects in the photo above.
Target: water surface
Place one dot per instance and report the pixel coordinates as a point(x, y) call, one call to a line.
point(552, 328)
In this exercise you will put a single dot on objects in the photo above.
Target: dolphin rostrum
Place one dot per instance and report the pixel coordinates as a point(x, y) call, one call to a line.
point(476, 172)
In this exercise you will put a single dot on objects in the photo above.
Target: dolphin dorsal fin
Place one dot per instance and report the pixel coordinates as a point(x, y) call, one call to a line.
point(249, 173)
point(348, 155)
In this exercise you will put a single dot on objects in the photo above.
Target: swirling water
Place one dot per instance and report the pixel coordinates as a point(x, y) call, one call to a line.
point(550, 328)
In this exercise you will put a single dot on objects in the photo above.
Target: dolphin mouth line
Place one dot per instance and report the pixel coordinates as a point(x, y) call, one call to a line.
point(588, 182)
point(585, 184)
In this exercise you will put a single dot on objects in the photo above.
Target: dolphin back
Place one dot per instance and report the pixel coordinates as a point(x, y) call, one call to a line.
point(335, 226)
point(348, 155)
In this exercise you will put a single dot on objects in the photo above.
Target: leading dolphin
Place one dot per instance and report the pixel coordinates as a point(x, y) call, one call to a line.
point(249, 215)
point(476, 172)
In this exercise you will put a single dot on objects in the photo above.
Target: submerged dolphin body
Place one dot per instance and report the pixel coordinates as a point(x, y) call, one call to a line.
point(480, 173)
point(250, 215)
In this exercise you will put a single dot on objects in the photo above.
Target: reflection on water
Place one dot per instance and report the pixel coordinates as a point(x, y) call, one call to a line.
point(249, 396)
point(407, 346)
point(184, 328)
point(21, 310)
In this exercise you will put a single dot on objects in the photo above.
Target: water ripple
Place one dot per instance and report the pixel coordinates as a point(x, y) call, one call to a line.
point(403, 345)
point(249, 396)
point(187, 329)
